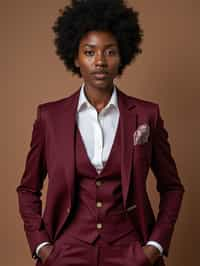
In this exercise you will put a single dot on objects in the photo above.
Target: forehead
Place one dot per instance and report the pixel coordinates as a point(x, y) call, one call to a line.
point(98, 38)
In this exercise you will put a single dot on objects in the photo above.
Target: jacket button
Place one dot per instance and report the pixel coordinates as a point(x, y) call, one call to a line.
point(68, 210)
point(99, 204)
point(98, 183)
point(99, 226)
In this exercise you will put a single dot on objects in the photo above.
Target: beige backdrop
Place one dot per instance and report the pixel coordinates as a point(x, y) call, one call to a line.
point(166, 72)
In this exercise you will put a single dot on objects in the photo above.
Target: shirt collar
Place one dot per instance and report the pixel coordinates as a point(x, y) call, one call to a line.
point(83, 101)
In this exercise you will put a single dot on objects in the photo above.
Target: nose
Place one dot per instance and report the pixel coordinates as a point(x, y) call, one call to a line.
point(100, 59)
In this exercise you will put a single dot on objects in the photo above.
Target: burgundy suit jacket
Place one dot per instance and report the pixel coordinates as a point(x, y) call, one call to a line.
point(52, 152)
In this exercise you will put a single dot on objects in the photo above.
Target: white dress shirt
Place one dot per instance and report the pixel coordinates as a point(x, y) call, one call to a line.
point(98, 132)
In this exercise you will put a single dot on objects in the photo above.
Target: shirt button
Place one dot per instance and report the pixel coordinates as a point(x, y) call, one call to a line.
point(98, 183)
point(99, 226)
point(99, 145)
point(99, 204)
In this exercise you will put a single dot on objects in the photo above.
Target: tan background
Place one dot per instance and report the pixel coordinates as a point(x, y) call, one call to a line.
point(167, 72)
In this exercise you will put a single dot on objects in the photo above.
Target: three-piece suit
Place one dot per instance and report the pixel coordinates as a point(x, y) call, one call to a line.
point(84, 231)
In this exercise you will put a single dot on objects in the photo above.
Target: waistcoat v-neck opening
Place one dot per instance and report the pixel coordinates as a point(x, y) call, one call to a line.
point(110, 153)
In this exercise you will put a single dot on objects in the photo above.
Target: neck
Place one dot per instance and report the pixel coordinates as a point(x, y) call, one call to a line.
point(98, 97)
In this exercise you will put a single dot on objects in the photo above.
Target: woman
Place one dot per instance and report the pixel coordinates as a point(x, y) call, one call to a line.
point(97, 146)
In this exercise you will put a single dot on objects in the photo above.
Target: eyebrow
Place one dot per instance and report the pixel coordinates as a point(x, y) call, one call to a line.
point(93, 45)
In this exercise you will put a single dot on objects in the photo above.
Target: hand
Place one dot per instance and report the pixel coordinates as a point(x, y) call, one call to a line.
point(152, 253)
point(44, 252)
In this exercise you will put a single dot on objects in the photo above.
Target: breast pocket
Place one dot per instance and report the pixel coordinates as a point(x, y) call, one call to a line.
point(142, 152)
point(142, 149)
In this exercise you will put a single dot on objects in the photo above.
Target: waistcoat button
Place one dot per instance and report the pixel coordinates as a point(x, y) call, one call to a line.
point(99, 226)
point(99, 204)
point(98, 183)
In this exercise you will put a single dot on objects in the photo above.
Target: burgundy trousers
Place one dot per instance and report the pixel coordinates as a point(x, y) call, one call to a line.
point(70, 251)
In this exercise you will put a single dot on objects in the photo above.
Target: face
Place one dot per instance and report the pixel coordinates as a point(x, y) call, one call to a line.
point(98, 59)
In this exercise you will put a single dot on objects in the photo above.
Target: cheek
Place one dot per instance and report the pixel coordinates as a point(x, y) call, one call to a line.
point(115, 67)
point(114, 63)
point(85, 67)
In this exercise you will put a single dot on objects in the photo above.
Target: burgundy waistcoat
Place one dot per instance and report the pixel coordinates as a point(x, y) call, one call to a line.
point(98, 209)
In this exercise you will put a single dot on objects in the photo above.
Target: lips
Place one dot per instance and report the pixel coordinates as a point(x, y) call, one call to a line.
point(100, 75)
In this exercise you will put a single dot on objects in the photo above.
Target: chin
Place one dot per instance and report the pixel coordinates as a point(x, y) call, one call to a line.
point(102, 83)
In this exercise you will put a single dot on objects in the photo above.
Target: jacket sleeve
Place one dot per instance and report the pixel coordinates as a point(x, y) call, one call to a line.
point(29, 189)
point(168, 183)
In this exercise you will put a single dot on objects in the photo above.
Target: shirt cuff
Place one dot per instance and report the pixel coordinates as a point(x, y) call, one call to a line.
point(157, 245)
point(40, 246)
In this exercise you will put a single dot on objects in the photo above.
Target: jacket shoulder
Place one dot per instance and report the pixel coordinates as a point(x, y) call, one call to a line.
point(58, 104)
point(146, 109)
point(142, 103)
point(139, 102)
point(145, 105)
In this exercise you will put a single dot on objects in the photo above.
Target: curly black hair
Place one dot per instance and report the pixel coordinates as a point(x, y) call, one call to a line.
point(82, 16)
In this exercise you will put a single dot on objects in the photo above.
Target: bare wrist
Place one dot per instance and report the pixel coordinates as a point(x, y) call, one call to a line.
point(45, 251)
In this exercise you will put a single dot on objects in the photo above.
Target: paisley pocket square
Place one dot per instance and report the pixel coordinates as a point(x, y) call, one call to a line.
point(140, 136)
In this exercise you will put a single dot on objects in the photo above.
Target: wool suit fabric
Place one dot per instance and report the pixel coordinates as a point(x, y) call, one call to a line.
point(70, 215)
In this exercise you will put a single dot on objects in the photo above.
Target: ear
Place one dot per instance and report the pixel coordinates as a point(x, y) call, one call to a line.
point(76, 62)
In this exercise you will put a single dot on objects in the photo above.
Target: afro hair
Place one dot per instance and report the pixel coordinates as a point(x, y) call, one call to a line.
point(82, 16)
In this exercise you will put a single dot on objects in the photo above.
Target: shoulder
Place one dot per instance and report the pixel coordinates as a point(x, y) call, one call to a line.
point(142, 105)
point(147, 110)
point(59, 104)
point(145, 104)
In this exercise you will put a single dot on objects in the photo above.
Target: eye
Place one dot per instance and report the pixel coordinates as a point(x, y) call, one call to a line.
point(89, 52)
point(112, 52)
